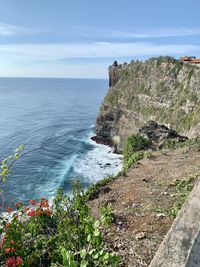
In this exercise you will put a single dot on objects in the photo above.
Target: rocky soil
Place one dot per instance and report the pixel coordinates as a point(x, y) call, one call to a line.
point(144, 202)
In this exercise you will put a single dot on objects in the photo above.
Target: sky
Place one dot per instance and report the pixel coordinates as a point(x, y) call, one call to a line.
point(81, 38)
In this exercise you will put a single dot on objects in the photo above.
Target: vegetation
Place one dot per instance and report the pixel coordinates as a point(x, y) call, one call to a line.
point(132, 160)
point(182, 190)
point(6, 164)
point(148, 153)
point(94, 190)
point(62, 235)
point(133, 144)
point(173, 144)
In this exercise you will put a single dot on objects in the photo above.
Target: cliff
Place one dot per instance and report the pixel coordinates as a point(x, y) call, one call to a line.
point(163, 90)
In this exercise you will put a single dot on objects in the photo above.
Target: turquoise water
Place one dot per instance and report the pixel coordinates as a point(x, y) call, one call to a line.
point(54, 119)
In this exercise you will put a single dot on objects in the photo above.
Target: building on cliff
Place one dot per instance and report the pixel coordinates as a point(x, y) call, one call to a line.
point(192, 60)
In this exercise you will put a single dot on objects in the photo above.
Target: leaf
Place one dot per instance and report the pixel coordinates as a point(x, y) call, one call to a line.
point(83, 253)
point(84, 263)
point(91, 251)
point(96, 232)
point(95, 256)
point(97, 224)
point(89, 238)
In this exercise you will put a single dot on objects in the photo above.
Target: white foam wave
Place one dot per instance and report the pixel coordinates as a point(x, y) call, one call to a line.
point(98, 163)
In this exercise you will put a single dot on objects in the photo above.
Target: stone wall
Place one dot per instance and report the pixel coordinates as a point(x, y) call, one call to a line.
point(181, 245)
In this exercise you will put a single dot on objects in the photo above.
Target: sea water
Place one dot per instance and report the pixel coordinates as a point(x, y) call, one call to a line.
point(54, 119)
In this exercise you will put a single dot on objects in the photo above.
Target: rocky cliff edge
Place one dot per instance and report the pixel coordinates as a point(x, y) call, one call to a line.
point(162, 89)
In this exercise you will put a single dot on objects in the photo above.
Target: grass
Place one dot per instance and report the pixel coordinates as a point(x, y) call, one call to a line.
point(185, 146)
point(182, 191)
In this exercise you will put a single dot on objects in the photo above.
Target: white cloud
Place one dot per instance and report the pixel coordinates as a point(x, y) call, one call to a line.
point(138, 34)
point(47, 59)
point(10, 30)
point(158, 33)
point(38, 52)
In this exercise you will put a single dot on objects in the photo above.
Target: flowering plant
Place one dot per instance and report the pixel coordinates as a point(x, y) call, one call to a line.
point(64, 234)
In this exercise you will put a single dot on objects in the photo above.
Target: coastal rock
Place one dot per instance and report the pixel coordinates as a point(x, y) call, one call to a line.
point(163, 90)
point(158, 133)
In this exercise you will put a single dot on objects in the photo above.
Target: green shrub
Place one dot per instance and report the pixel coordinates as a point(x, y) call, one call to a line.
point(132, 144)
point(107, 215)
point(65, 234)
point(132, 160)
point(94, 190)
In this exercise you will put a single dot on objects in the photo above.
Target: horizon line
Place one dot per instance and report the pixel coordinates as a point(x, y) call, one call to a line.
point(46, 77)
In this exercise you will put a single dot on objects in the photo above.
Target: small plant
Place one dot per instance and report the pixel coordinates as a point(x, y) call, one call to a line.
point(148, 153)
point(163, 151)
point(6, 164)
point(107, 215)
point(94, 190)
point(132, 160)
point(173, 212)
point(183, 189)
point(171, 144)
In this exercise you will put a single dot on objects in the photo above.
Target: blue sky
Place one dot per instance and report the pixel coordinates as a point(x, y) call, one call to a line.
point(80, 38)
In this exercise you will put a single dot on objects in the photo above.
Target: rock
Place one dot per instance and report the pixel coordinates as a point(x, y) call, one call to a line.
point(165, 193)
point(135, 205)
point(106, 190)
point(145, 180)
point(161, 215)
point(140, 235)
point(158, 133)
point(131, 252)
point(120, 223)
point(173, 182)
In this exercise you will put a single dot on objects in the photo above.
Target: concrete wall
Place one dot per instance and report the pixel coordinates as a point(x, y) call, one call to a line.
point(181, 245)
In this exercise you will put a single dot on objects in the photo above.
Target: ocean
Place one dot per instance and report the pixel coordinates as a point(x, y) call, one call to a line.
point(54, 119)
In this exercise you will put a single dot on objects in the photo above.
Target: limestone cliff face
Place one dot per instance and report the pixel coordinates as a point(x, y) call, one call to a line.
point(160, 89)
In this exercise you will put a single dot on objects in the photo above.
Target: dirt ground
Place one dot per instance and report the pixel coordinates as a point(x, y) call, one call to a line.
point(142, 201)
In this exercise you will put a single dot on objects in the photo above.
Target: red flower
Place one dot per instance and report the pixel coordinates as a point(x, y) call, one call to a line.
point(13, 249)
point(31, 213)
point(39, 212)
point(48, 212)
point(32, 202)
point(7, 250)
point(10, 262)
point(2, 241)
point(13, 262)
point(19, 204)
point(7, 225)
point(27, 208)
point(44, 204)
point(10, 209)
point(19, 261)
point(12, 242)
